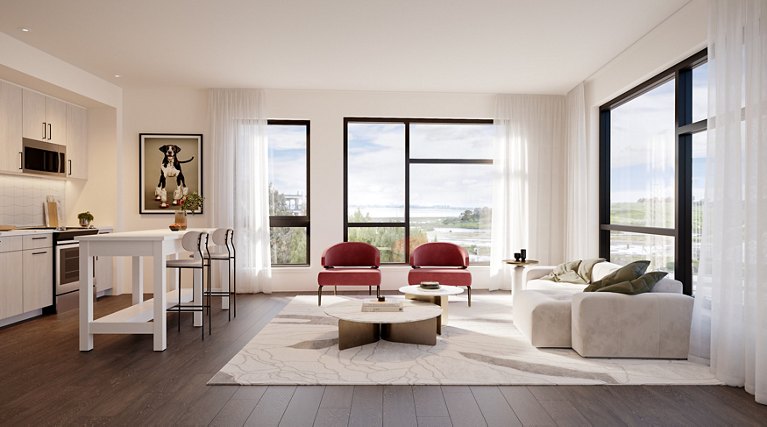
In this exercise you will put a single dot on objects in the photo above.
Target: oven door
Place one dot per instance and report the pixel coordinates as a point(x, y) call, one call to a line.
point(67, 270)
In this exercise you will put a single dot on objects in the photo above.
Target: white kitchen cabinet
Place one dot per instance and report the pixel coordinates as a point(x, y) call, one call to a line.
point(37, 274)
point(10, 127)
point(11, 286)
point(44, 118)
point(77, 142)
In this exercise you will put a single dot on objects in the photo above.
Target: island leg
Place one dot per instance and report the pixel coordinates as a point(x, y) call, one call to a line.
point(160, 320)
point(86, 297)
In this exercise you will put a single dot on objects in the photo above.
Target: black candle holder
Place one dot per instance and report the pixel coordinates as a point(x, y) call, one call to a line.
point(523, 254)
point(517, 256)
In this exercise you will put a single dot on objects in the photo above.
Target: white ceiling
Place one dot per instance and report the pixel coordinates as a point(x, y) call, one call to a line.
point(494, 46)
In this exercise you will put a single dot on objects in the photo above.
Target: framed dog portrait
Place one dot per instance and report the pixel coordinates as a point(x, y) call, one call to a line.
point(171, 168)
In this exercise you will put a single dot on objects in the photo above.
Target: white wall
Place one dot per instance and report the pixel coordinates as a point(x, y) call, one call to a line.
point(677, 38)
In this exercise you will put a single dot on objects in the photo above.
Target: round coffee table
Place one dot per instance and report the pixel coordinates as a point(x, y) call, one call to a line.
point(434, 296)
point(416, 324)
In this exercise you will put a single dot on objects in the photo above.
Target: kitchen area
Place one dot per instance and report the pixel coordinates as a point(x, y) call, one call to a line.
point(44, 158)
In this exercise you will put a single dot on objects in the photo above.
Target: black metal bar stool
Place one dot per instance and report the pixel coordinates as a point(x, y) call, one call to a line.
point(193, 242)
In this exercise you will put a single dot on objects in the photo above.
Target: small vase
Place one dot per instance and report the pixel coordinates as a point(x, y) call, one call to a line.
point(180, 219)
point(85, 223)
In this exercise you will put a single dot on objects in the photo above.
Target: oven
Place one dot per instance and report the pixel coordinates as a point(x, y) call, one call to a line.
point(66, 260)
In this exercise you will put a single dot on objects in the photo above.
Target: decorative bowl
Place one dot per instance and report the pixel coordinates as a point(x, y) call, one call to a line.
point(174, 227)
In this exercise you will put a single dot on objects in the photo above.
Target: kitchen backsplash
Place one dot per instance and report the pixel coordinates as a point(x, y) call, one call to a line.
point(22, 198)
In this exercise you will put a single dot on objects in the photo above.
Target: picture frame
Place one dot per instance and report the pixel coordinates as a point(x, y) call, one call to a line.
point(159, 179)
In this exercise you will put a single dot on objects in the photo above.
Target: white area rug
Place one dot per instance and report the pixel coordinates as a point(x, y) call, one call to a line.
point(480, 345)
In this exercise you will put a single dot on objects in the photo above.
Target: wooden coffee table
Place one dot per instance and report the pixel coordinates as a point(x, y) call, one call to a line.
point(434, 296)
point(416, 324)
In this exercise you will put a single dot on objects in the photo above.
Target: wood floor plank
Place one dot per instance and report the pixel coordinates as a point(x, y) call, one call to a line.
point(367, 406)
point(235, 412)
point(591, 403)
point(429, 402)
point(434, 422)
point(332, 417)
point(399, 407)
point(271, 407)
point(462, 407)
point(302, 409)
point(526, 406)
point(337, 396)
point(494, 407)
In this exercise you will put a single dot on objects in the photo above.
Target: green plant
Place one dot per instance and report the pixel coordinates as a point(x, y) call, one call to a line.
point(85, 216)
point(191, 202)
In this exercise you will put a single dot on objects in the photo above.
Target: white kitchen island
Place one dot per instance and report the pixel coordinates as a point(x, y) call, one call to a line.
point(143, 317)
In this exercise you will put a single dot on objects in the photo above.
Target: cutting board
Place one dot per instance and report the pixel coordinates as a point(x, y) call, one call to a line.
point(52, 214)
point(7, 227)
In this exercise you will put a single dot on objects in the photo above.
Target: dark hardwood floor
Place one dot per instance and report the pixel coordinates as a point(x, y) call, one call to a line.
point(44, 379)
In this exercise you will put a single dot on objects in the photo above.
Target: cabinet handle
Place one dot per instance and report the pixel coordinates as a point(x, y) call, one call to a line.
point(39, 253)
point(50, 132)
point(70, 167)
point(21, 160)
point(43, 130)
point(39, 238)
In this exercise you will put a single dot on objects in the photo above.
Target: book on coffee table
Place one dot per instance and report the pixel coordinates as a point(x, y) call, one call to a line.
point(373, 305)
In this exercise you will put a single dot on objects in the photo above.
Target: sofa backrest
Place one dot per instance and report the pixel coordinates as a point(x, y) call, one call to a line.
point(665, 285)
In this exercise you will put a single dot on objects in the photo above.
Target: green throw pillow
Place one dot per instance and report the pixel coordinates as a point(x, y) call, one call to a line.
point(584, 270)
point(642, 284)
point(623, 274)
point(567, 272)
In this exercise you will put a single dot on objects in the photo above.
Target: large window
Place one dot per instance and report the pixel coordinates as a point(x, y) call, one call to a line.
point(288, 142)
point(652, 151)
point(412, 181)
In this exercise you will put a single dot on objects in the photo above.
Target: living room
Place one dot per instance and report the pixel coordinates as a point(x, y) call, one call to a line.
point(628, 45)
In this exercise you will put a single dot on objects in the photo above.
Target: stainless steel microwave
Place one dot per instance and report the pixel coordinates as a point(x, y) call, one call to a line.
point(43, 158)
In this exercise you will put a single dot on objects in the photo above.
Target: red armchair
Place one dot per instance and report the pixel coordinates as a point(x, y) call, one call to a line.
point(350, 264)
point(441, 262)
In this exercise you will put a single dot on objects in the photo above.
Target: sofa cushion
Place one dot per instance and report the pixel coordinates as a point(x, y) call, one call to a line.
point(548, 285)
point(640, 285)
point(627, 272)
point(602, 269)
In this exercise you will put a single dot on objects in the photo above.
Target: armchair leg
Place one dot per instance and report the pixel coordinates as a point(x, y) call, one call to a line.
point(378, 291)
point(319, 296)
point(370, 290)
point(468, 290)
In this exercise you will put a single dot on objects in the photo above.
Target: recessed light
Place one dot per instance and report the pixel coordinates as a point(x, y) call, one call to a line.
point(117, 76)
point(24, 29)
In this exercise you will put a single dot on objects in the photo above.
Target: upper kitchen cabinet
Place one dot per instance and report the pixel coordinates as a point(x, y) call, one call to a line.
point(44, 118)
point(10, 127)
point(77, 142)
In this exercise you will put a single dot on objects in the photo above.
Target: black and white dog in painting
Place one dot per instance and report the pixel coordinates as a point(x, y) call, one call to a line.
point(171, 167)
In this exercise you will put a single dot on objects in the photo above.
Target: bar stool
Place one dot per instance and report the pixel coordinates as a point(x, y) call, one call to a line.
point(223, 238)
point(193, 242)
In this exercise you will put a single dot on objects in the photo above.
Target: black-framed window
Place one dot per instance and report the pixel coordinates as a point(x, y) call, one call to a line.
point(412, 181)
point(652, 171)
point(288, 146)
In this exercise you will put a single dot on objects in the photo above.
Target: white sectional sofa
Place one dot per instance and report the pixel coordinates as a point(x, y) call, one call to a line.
point(603, 324)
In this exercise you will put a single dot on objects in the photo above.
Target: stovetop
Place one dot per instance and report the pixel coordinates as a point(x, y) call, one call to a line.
point(68, 233)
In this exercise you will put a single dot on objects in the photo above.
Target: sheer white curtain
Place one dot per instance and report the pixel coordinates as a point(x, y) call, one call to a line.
point(731, 296)
point(581, 215)
point(528, 191)
point(241, 181)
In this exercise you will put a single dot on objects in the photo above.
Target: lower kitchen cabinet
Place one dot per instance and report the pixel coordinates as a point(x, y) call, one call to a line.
point(37, 278)
point(11, 290)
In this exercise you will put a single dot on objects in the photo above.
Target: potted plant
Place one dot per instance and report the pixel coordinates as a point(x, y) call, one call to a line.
point(85, 218)
point(189, 204)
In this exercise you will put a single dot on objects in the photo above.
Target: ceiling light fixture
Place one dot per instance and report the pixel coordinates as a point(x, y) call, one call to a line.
point(24, 29)
point(117, 76)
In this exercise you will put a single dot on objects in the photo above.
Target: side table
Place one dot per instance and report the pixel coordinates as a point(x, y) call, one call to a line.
point(519, 268)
